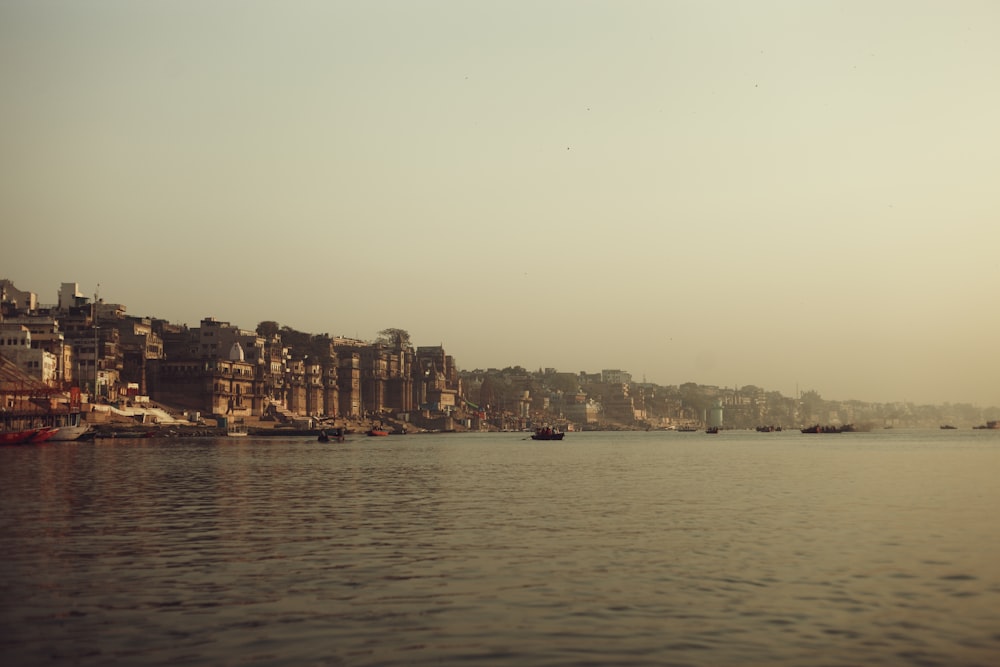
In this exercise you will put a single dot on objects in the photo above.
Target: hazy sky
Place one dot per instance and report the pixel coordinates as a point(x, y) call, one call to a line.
point(787, 194)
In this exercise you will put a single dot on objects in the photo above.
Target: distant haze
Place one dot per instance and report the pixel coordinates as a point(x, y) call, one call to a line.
point(785, 194)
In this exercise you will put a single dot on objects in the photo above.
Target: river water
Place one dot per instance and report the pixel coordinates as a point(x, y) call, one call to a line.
point(741, 548)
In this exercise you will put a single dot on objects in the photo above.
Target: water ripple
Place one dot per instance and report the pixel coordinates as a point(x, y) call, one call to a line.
point(631, 549)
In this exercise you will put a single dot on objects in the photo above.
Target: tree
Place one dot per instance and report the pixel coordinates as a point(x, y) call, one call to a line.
point(295, 340)
point(397, 338)
point(268, 328)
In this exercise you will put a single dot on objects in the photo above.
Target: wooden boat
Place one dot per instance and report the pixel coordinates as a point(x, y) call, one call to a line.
point(377, 432)
point(31, 436)
point(547, 434)
point(237, 430)
point(70, 428)
point(70, 433)
point(712, 429)
point(43, 435)
point(816, 428)
point(17, 437)
point(336, 435)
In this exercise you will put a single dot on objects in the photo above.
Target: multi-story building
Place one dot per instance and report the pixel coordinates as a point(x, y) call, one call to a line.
point(45, 335)
point(139, 345)
point(235, 388)
point(207, 369)
point(582, 412)
point(273, 369)
point(219, 385)
point(312, 386)
point(436, 386)
point(16, 346)
point(619, 405)
point(349, 382)
point(615, 376)
point(17, 300)
point(70, 297)
point(383, 374)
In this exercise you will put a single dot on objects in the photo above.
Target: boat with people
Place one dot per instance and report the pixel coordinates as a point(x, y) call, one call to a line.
point(547, 433)
point(334, 435)
point(377, 431)
point(816, 428)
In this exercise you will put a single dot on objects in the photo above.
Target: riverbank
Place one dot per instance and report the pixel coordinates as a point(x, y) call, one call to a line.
point(105, 426)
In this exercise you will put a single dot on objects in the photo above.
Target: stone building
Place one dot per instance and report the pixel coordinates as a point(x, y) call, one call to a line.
point(618, 405)
point(586, 412)
point(380, 375)
point(206, 369)
point(235, 387)
point(436, 385)
point(139, 345)
point(349, 382)
point(311, 386)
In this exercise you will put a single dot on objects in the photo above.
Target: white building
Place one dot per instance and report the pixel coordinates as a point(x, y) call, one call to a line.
point(615, 376)
point(15, 345)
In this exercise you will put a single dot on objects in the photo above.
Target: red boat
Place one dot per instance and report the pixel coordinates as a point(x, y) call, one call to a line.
point(31, 436)
point(17, 437)
point(42, 435)
point(378, 431)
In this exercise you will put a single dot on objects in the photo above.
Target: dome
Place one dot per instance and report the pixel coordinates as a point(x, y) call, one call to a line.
point(236, 352)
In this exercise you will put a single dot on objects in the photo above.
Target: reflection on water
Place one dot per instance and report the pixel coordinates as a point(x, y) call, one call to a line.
point(634, 548)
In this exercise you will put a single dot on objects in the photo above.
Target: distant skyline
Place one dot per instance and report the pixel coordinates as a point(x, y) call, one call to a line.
point(785, 194)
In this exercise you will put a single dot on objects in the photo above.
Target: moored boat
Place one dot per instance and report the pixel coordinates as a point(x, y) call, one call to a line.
point(17, 437)
point(237, 430)
point(43, 435)
point(377, 431)
point(70, 428)
point(70, 433)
